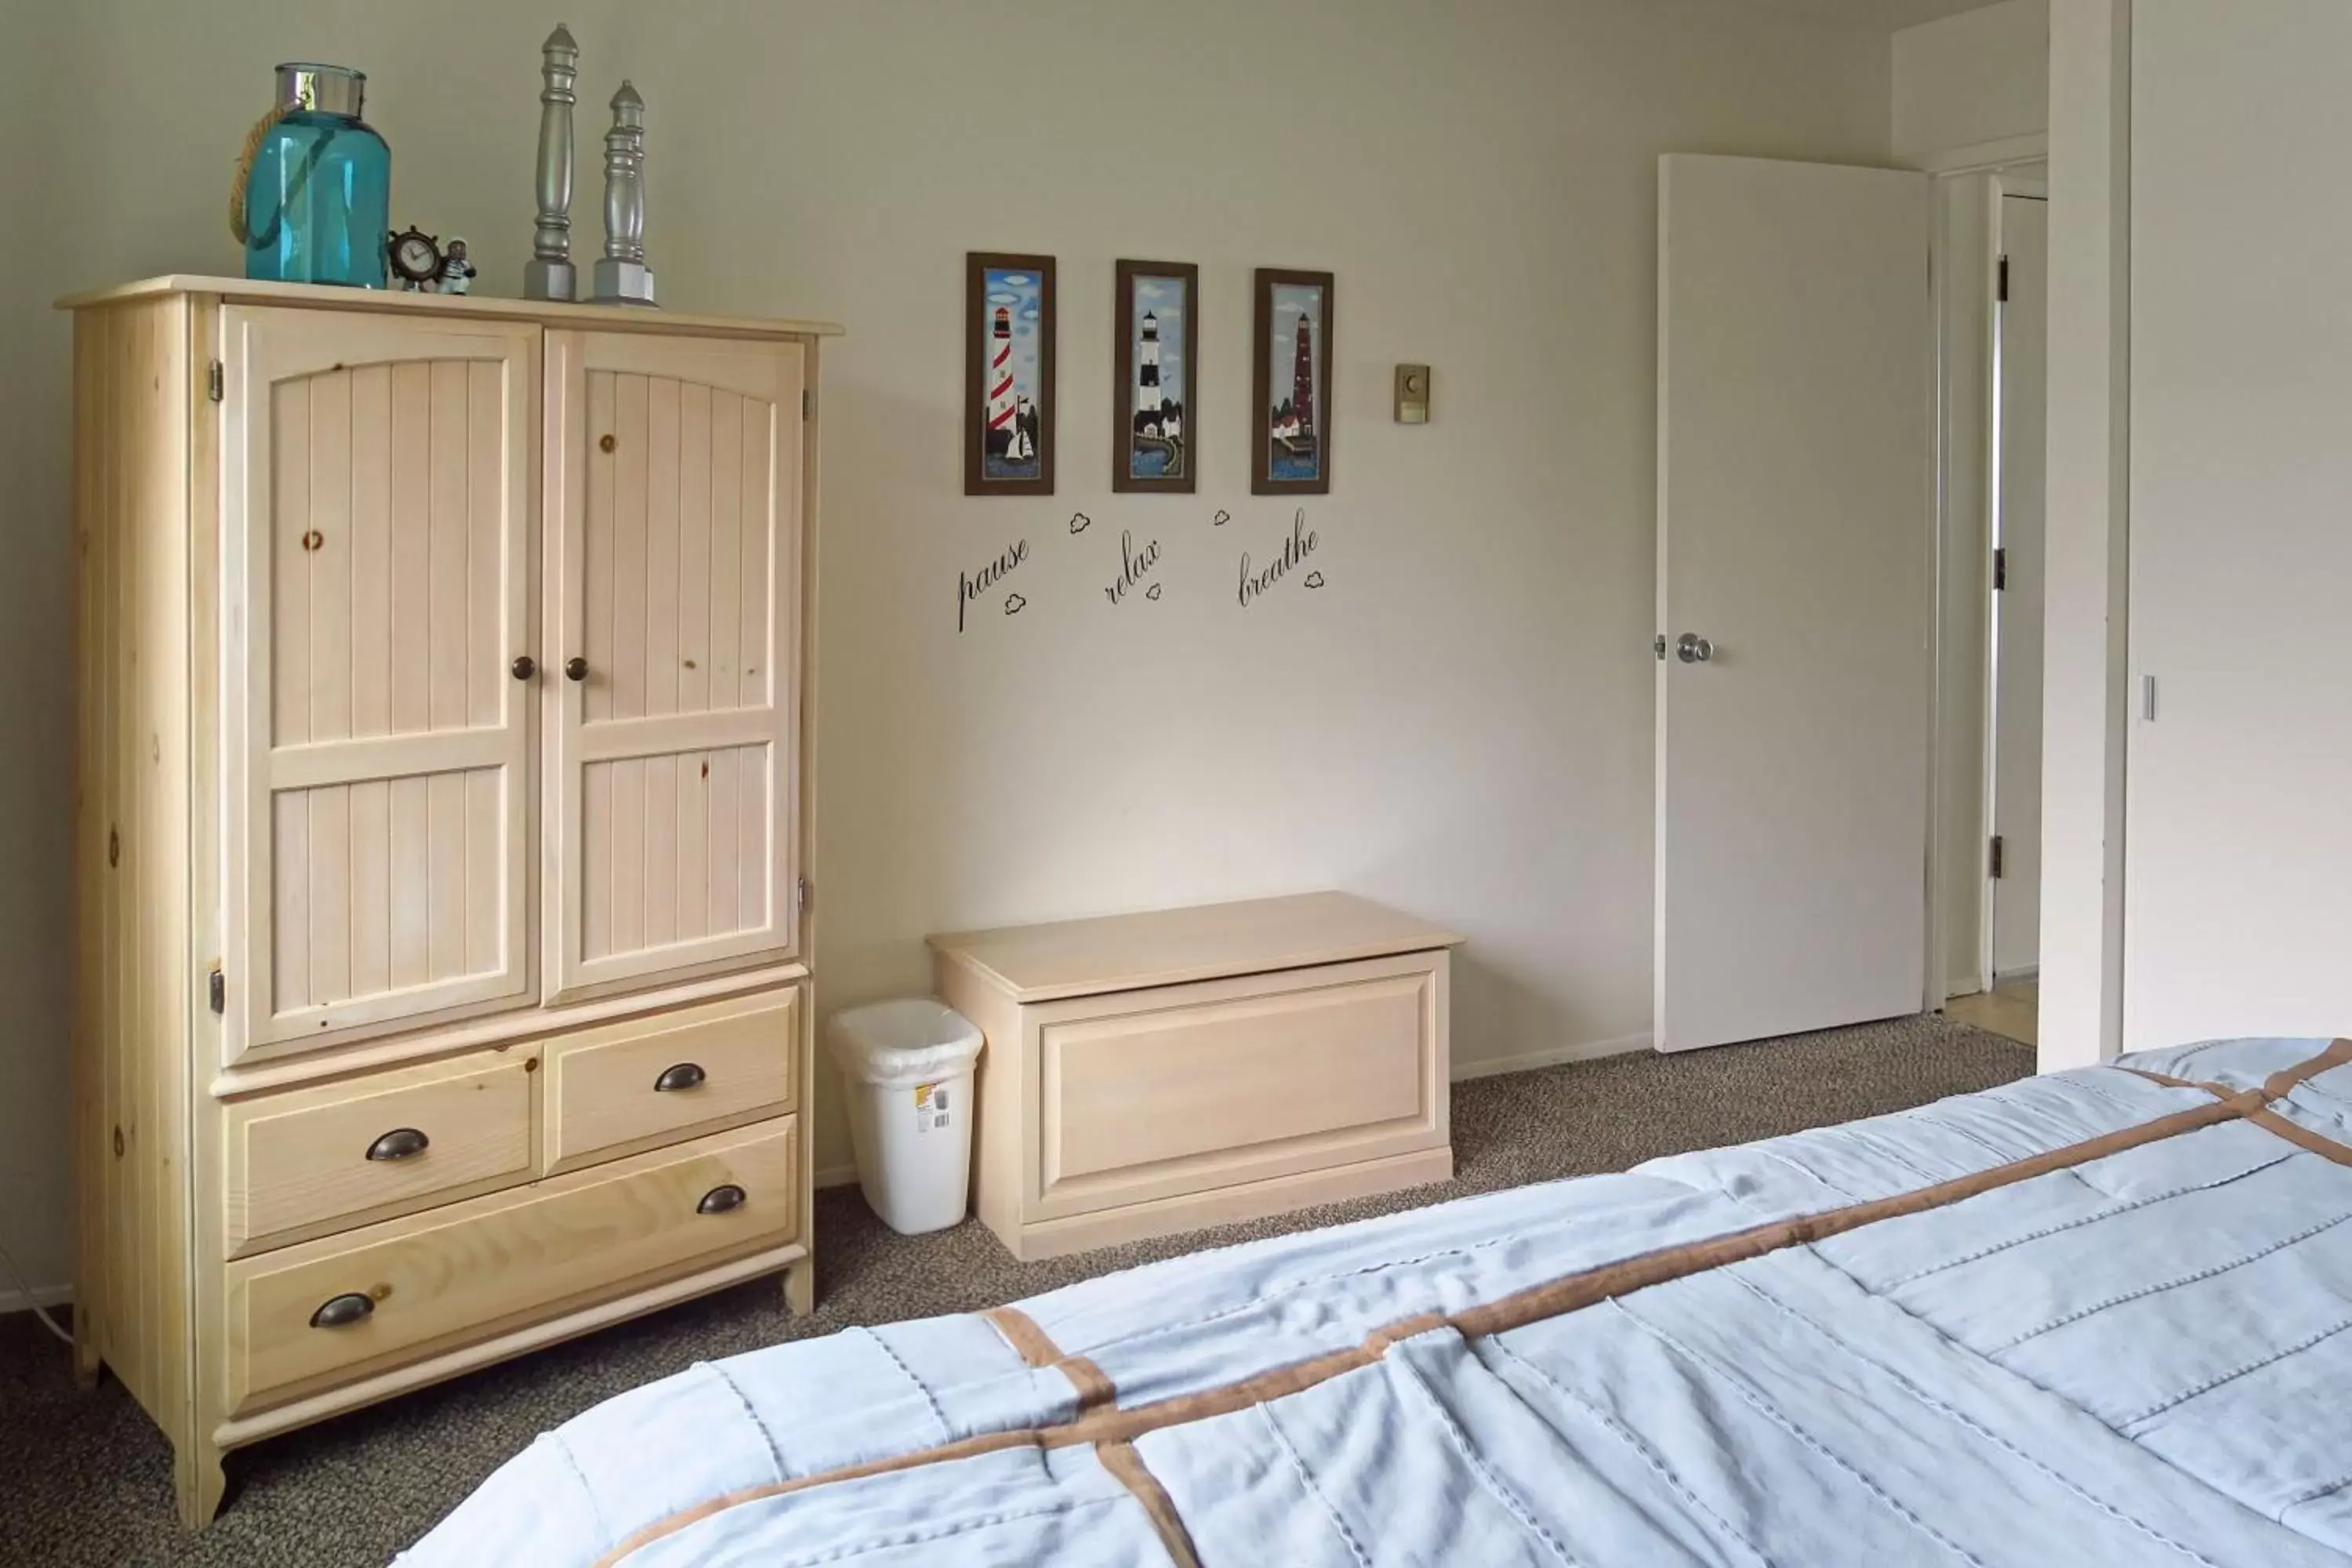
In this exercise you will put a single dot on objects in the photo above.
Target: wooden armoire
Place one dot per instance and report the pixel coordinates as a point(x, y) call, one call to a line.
point(442, 821)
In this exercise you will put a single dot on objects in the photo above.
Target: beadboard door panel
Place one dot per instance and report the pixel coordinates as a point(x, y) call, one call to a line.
point(380, 476)
point(674, 526)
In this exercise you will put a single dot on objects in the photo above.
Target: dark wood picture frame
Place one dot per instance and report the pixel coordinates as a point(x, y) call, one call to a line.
point(1263, 481)
point(1124, 433)
point(978, 264)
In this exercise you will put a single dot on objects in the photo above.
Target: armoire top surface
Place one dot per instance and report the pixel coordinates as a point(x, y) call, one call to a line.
point(481, 307)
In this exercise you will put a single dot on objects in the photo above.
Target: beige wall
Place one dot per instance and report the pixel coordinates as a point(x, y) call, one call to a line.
point(1459, 722)
point(1967, 80)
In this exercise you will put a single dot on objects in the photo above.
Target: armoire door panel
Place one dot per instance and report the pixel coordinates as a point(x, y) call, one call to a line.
point(673, 547)
point(679, 849)
point(381, 475)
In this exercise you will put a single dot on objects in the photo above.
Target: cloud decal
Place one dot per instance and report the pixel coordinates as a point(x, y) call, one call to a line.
point(1014, 604)
point(1315, 579)
point(1081, 523)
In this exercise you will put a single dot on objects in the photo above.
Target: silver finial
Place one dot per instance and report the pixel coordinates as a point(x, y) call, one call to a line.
point(549, 273)
point(622, 276)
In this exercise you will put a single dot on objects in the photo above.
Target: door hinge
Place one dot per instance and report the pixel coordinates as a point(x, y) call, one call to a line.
point(801, 892)
point(1999, 567)
point(2000, 283)
point(1996, 858)
point(216, 382)
point(808, 404)
point(216, 990)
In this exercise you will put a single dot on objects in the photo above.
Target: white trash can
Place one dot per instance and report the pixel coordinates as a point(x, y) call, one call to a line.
point(910, 1067)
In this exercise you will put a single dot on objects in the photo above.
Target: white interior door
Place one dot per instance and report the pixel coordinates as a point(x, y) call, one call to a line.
point(2015, 896)
point(1794, 537)
point(674, 580)
point(2238, 908)
point(379, 476)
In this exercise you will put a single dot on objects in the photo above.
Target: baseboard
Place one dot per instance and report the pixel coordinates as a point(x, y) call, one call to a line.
point(1550, 1057)
point(2017, 976)
point(836, 1176)
point(40, 1296)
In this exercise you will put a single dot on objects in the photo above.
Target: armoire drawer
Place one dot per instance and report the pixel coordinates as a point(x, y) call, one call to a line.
point(310, 1316)
point(645, 1082)
point(312, 1160)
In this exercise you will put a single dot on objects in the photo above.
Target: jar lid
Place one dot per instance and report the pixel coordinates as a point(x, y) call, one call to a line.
point(325, 89)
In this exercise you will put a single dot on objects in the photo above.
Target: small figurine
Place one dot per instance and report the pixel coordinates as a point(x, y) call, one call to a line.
point(457, 274)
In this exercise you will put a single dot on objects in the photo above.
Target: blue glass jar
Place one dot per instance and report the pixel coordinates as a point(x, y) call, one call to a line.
point(318, 197)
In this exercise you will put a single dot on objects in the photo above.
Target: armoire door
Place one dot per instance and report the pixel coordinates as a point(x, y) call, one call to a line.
point(379, 477)
point(673, 572)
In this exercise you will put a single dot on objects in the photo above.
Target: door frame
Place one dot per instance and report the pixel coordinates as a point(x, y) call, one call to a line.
point(2031, 183)
point(1967, 248)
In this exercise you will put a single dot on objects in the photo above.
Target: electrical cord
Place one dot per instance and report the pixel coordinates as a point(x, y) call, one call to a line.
point(38, 1310)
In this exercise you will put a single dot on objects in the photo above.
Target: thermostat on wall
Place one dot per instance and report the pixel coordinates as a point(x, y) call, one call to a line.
point(1413, 395)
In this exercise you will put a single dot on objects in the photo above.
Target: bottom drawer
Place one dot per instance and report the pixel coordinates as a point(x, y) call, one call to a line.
point(315, 1314)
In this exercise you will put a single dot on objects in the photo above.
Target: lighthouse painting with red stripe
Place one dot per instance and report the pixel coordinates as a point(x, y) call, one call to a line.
point(1012, 432)
point(1293, 378)
point(1008, 374)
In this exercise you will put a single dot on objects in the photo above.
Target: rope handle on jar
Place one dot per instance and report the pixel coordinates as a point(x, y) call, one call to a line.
point(262, 128)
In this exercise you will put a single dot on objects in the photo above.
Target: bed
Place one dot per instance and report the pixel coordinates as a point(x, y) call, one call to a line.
point(2097, 1317)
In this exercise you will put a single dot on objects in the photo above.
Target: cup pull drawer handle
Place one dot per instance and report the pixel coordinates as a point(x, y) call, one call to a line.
point(684, 1075)
point(721, 1199)
point(399, 1145)
point(341, 1311)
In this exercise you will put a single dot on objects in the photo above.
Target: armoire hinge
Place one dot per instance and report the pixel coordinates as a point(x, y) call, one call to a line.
point(803, 892)
point(1994, 860)
point(216, 382)
point(808, 404)
point(2000, 568)
point(217, 989)
point(2000, 287)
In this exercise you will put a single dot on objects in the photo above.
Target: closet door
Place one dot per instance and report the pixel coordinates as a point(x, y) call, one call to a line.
point(674, 530)
point(378, 475)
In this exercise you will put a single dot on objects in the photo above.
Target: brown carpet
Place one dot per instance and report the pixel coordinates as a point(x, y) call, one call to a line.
point(86, 1480)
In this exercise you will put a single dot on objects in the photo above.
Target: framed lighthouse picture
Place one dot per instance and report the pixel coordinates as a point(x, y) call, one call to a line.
point(1008, 448)
point(1291, 442)
point(1154, 370)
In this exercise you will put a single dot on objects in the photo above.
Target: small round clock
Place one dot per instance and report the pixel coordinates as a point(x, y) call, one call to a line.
point(415, 256)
